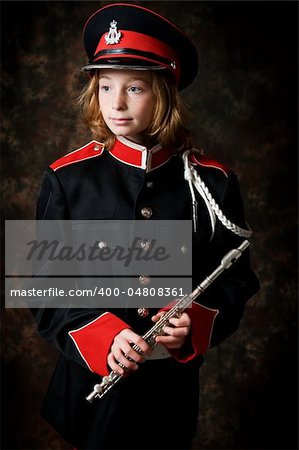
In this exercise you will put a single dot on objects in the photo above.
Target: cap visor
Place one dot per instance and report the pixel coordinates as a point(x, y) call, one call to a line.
point(132, 64)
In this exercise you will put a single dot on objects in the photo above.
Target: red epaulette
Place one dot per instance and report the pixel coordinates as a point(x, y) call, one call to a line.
point(202, 160)
point(90, 150)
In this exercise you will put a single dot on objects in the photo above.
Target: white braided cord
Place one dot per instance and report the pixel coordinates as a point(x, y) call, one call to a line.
point(213, 208)
point(190, 178)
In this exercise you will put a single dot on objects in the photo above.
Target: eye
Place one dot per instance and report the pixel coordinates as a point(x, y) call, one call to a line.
point(104, 88)
point(135, 89)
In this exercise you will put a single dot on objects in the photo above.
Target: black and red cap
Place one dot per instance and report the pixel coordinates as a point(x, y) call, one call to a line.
point(128, 36)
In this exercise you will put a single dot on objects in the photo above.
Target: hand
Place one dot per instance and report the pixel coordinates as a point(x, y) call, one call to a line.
point(176, 334)
point(123, 353)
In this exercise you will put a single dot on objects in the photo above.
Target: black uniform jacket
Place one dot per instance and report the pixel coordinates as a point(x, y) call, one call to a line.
point(127, 183)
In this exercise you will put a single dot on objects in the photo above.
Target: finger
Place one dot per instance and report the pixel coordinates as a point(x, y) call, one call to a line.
point(180, 322)
point(183, 321)
point(116, 352)
point(133, 338)
point(122, 348)
point(176, 332)
point(133, 355)
point(136, 354)
point(113, 364)
point(157, 317)
point(170, 342)
point(168, 339)
point(123, 361)
point(125, 364)
point(143, 345)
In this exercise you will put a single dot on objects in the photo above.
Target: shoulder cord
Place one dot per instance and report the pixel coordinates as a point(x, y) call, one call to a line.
point(214, 210)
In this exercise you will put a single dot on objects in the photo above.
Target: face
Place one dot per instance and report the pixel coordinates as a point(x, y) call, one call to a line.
point(127, 102)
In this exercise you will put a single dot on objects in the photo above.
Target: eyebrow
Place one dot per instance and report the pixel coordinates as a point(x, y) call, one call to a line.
point(130, 79)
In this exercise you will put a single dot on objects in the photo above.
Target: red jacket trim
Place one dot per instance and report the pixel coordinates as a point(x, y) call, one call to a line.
point(139, 156)
point(90, 150)
point(203, 161)
point(202, 324)
point(93, 340)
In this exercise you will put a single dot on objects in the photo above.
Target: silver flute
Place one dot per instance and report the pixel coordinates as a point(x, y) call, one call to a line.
point(227, 261)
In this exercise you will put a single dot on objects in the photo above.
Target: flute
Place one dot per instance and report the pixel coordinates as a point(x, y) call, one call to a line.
point(227, 261)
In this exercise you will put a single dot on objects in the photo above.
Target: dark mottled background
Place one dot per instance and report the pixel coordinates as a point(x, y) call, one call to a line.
point(245, 114)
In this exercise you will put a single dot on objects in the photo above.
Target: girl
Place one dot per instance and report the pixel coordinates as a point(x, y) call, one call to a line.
point(141, 166)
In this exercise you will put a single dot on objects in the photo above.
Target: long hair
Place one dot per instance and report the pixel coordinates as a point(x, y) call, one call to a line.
point(169, 122)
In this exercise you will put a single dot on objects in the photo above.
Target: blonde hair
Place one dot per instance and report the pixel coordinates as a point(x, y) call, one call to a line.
point(170, 116)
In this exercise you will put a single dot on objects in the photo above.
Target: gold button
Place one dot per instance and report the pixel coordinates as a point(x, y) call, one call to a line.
point(146, 212)
point(97, 148)
point(144, 280)
point(142, 312)
point(184, 249)
point(145, 245)
point(149, 184)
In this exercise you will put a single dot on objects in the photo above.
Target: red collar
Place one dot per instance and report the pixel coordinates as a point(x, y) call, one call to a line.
point(139, 156)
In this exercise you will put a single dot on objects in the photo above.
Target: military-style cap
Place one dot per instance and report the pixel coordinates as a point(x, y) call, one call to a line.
point(127, 36)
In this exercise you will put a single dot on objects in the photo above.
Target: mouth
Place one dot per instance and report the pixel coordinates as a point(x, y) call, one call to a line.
point(120, 121)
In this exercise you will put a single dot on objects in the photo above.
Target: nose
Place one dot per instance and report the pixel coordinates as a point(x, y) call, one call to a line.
point(119, 101)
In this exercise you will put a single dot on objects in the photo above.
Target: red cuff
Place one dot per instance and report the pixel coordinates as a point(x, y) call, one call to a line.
point(202, 323)
point(93, 341)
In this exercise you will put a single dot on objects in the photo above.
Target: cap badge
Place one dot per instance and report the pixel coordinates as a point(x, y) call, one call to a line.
point(113, 36)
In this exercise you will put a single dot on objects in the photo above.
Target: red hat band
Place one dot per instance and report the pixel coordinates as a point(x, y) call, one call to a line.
point(130, 44)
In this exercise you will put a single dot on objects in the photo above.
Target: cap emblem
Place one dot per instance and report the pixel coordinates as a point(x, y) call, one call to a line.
point(113, 36)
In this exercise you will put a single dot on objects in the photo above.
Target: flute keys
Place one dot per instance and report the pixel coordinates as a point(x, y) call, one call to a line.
point(105, 380)
point(97, 390)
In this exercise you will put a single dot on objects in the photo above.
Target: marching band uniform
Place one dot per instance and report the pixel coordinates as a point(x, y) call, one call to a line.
point(132, 182)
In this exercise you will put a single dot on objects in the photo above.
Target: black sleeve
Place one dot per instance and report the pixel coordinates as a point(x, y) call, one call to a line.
point(54, 324)
point(236, 285)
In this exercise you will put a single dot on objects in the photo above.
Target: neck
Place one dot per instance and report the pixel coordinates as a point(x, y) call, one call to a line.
point(145, 141)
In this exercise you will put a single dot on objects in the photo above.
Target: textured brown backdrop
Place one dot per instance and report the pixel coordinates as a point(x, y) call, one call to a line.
point(245, 105)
